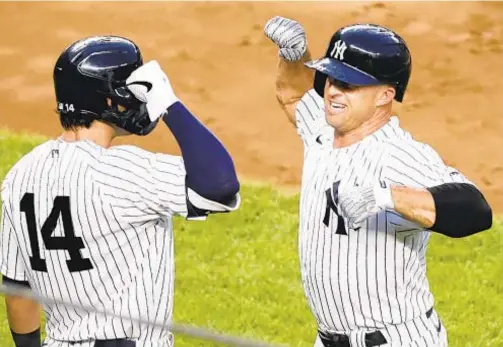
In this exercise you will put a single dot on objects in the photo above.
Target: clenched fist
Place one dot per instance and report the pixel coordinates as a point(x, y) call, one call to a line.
point(356, 204)
point(288, 35)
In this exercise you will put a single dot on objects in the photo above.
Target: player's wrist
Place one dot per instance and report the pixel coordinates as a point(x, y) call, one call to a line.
point(27, 340)
point(384, 196)
point(291, 54)
point(160, 103)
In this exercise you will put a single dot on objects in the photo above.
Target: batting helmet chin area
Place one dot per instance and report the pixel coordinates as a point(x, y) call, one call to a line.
point(96, 68)
point(362, 55)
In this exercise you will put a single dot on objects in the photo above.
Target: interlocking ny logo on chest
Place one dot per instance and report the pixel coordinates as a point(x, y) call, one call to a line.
point(338, 50)
point(332, 196)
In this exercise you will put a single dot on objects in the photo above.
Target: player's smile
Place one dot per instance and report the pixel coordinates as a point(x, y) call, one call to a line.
point(335, 108)
point(334, 91)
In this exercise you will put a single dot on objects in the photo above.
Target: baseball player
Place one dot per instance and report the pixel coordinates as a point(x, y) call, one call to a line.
point(91, 224)
point(371, 194)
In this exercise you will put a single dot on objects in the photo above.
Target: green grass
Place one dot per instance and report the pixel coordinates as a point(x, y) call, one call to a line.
point(238, 273)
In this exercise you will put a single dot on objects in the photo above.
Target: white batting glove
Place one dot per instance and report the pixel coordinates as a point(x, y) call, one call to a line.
point(288, 35)
point(150, 84)
point(357, 204)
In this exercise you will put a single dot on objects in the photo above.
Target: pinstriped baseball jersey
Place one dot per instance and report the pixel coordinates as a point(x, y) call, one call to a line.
point(373, 276)
point(93, 226)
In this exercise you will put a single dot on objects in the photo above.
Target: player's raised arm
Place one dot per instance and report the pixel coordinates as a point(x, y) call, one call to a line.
point(211, 180)
point(293, 78)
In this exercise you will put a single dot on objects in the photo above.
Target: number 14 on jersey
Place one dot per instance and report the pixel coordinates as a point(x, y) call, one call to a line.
point(69, 242)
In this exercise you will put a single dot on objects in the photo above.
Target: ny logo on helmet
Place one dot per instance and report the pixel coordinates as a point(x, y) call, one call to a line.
point(338, 50)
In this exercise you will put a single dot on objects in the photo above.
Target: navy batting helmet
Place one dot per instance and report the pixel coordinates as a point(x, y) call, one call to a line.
point(365, 54)
point(95, 69)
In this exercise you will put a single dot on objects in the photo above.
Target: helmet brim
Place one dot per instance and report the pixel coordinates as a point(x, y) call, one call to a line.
point(341, 71)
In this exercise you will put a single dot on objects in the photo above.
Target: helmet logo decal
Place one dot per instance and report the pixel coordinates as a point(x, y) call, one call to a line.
point(338, 50)
point(64, 107)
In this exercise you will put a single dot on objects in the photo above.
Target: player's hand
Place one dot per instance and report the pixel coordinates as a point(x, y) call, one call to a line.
point(150, 84)
point(356, 204)
point(288, 35)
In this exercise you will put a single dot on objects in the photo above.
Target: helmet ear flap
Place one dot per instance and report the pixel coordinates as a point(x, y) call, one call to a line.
point(134, 120)
point(402, 87)
point(319, 83)
point(115, 106)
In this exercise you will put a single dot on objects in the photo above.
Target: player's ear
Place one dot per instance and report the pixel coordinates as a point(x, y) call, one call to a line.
point(385, 95)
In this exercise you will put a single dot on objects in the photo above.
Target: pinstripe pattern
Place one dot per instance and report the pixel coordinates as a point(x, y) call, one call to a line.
point(373, 277)
point(121, 202)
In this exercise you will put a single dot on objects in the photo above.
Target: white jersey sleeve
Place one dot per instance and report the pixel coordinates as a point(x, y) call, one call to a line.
point(415, 164)
point(11, 260)
point(310, 119)
point(148, 185)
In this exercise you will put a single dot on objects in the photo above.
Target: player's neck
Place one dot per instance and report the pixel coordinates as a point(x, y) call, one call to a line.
point(100, 133)
point(378, 120)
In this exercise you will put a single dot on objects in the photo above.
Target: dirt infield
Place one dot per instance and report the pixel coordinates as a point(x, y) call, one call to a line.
point(223, 68)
